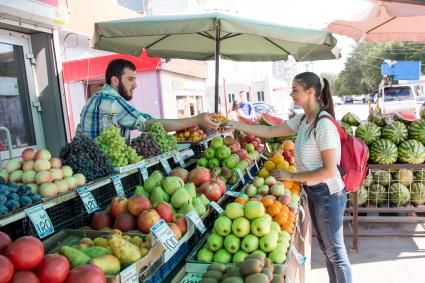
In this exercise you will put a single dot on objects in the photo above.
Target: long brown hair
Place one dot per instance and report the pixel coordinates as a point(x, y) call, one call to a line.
point(322, 93)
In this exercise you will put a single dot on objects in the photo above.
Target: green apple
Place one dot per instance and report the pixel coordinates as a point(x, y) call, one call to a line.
point(277, 189)
point(202, 162)
point(241, 227)
point(249, 147)
point(267, 217)
point(244, 196)
point(232, 243)
point(275, 227)
point(268, 242)
point(251, 190)
point(250, 243)
point(214, 242)
point(229, 162)
point(263, 190)
point(209, 153)
point(239, 256)
point(234, 210)
point(254, 209)
point(258, 181)
point(213, 163)
point(260, 227)
point(217, 142)
point(223, 225)
point(278, 255)
point(222, 256)
point(205, 255)
point(223, 152)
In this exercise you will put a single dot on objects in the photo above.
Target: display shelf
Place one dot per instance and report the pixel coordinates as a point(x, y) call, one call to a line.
point(396, 166)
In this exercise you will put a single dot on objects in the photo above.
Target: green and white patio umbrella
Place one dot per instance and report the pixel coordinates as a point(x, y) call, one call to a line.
point(209, 36)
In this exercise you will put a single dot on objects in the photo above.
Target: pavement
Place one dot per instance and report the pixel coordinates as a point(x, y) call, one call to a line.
point(379, 259)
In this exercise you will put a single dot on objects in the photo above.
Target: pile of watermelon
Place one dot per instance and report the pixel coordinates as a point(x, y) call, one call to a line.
point(400, 140)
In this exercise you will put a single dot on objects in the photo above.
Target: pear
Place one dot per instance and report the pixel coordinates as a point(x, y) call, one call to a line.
point(191, 189)
point(205, 255)
point(180, 198)
point(232, 243)
point(204, 199)
point(171, 184)
point(214, 242)
point(187, 208)
point(223, 225)
point(199, 207)
point(268, 242)
point(153, 181)
point(158, 195)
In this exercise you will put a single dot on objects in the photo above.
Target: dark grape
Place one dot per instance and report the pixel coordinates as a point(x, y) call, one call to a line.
point(145, 146)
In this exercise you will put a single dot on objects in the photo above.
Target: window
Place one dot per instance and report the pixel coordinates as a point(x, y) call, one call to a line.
point(231, 97)
point(247, 96)
point(260, 95)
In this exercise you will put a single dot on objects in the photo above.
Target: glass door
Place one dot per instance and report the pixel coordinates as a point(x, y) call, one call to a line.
point(19, 107)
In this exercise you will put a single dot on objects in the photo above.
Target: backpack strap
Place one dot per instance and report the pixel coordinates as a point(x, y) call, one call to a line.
point(341, 131)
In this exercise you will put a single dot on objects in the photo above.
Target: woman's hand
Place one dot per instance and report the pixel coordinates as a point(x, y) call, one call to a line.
point(205, 120)
point(281, 175)
point(228, 126)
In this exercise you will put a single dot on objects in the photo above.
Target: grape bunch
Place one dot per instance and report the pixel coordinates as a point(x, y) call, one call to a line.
point(165, 141)
point(84, 156)
point(145, 146)
point(113, 145)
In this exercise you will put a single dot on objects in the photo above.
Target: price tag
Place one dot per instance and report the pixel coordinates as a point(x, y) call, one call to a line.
point(263, 157)
point(144, 170)
point(41, 220)
point(248, 172)
point(88, 199)
point(232, 193)
point(192, 277)
point(196, 220)
point(204, 144)
point(216, 207)
point(178, 158)
point(241, 176)
point(118, 185)
point(167, 238)
point(165, 165)
point(129, 275)
point(256, 164)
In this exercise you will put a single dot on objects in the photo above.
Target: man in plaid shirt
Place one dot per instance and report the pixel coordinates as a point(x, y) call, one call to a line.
point(111, 102)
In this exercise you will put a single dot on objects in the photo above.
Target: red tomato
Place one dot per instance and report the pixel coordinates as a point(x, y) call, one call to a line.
point(5, 241)
point(53, 269)
point(86, 273)
point(6, 269)
point(24, 277)
point(26, 252)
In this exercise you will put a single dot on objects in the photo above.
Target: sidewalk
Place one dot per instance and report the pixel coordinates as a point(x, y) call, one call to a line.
point(379, 259)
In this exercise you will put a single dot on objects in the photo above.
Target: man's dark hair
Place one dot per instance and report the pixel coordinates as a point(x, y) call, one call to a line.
point(116, 68)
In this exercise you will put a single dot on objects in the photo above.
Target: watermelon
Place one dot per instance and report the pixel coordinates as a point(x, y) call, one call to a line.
point(247, 121)
point(422, 112)
point(383, 152)
point(382, 177)
point(269, 120)
point(368, 180)
point(399, 194)
point(403, 176)
point(412, 152)
point(376, 118)
point(368, 132)
point(417, 130)
point(420, 176)
point(347, 128)
point(404, 117)
point(377, 194)
point(395, 132)
point(361, 196)
point(351, 119)
point(417, 193)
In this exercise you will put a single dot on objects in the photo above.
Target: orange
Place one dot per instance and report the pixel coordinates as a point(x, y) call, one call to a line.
point(269, 165)
point(277, 158)
point(263, 173)
point(240, 200)
point(267, 201)
point(285, 208)
point(288, 184)
point(292, 151)
point(296, 185)
point(281, 218)
point(283, 165)
point(278, 203)
point(273, 210)
point(288, 145)
point(292, 169)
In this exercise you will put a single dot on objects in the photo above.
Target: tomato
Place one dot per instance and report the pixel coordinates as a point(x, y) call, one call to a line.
point(53, 269)
point(24, 277)
point(6, 269)
point(5, 241)
point(86, 273)
point(26, 252)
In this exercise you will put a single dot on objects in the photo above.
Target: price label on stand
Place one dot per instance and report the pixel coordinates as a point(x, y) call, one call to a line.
point(263, 157)
point(165, 165)
point(256, 164)
point(144, 170)
point(232, 193)
point(167, 238)
point(179, 159)
point(241, 176)
point(118, 185)
point(299, 257)
point(196, 220)
point(192, 277)
point(129, 275)
point(88, 199)
point(216, 207)
point(204, 144)
point(41, 220)
point(248, 172)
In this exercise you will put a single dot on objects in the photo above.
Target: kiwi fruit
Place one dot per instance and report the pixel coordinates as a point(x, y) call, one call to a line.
point(208, 280)
point(217, 267)
point(278, 279)
point(267, 272)
point(213, 274)
point(279, 270)
point(257, 278)
point(250, 266)
point(233, 279)
point(269, 264)
point(255, 256)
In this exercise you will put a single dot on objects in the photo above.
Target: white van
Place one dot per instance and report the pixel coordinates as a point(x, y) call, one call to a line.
point(397, 98)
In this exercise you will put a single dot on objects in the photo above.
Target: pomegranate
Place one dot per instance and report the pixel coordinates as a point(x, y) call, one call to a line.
point(200, 175)
point(211, 190)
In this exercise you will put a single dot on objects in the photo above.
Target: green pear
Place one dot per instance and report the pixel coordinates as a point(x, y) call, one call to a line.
point(241, 227)
point(260, 252)
point(223, 225)
point(204, 199)
point(171, 184)
point(180, 197)
point(268, 242)
point(153, 181)
point(278, 255)
point(249, 243)
point(214, 242)
point(260, 227)
point(234, 210)
point(191, 189)
point(205, 255)
point(232, 243)
point(239, 256)
point(199, 207)
point(158, 195)
point(275, 227)
point(140, 191)
point(222, 256)
point(187, 207)
point(254, 209)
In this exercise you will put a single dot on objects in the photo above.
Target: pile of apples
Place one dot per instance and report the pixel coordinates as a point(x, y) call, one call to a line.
point(191, 134)
point(44, 174)
point(245, 229)
point(251, 139)
point(283, 159)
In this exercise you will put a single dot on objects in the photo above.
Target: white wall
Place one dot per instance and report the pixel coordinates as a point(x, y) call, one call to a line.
point(76, 95)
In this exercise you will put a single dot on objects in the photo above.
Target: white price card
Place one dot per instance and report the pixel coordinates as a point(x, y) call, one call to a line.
point(256, 164)
point(118, 185)
point(167, 238)
point(263, 157)
point(192, 277)
point(241, 176)
point(41, 220)
point(216, 207)
point(299, 257)
point(204, 144)
point(179, 159)
point(144, 170)
point(165, 165)
point(196, 220)
point(232, 193)
point(129, 275)
point(88, 199)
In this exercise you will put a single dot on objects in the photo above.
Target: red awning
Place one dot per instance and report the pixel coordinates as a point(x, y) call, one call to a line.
point(94, 68)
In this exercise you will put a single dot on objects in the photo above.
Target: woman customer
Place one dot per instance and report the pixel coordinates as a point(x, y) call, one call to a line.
point(317, 155)
point(234, 114)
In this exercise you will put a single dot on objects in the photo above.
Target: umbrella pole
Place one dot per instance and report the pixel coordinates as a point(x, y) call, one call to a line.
point(217, 63)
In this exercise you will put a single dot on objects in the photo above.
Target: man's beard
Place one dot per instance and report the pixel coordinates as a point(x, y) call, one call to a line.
point(123, 92)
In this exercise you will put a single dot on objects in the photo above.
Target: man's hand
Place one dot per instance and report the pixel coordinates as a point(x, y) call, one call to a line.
point(205, 120)
point(281, 175)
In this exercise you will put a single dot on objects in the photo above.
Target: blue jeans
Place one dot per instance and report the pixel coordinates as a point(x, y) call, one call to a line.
point(327, 215)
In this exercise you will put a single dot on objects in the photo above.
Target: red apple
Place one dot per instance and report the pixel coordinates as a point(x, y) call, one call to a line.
point(235, 147)
point(101, 220)
point(228, 140)
point(285, 199)
point(255, 143)
point(176, 230)
point(180, 172)
point(221, 184)
point(200, 175)
point(147, 219)
point(242, 154)
point(211, 190)
point(164, 210)
point(137, 204)
point(249, 160)
point(180, 221)
point(250, 137)
point(291, 160)
point(56, 163)
point(287, 155)
point(28, 154)
point(44, 153)
point(261, 147)
point(118, 206)
point(125, 222)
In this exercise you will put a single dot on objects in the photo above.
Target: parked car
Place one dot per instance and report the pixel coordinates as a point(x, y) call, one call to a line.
point(261, 107)
point(348, 99)
point(336, 100)
point(397, 98)
point(371, 97)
